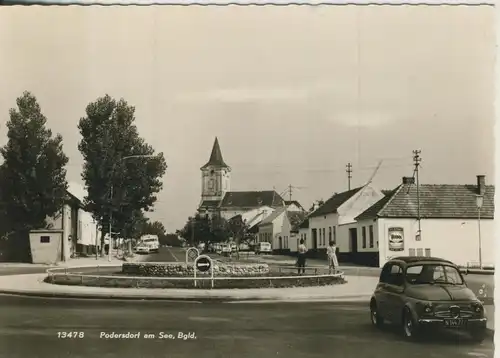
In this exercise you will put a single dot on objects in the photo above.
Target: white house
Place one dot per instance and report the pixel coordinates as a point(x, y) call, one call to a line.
point(70, 232)
point(449, 223)
point(278, 229)
point(294, 205)
point(334, 220)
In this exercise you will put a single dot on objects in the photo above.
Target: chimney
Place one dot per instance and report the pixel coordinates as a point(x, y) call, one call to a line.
point(408, 180)
point(481, 184)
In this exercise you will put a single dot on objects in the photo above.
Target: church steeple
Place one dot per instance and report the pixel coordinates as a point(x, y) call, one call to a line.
point(216, 159)
point(215, 177)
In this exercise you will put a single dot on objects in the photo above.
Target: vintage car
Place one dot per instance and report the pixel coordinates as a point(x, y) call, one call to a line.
point(418, 293)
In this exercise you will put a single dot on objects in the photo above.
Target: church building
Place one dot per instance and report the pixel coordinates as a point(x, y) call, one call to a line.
point(216, 194)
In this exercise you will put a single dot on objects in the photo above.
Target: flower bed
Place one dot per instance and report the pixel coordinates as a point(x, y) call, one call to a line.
point(168, 269)
point(203, 283)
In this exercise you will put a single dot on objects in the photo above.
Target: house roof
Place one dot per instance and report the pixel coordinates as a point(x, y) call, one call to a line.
point(293, 202)
point(251, 199)
point(443, 201)
point(296, 218)
point(373, 210)
point(216, 159)
point(210, 203)
point(332, 204)
point(272, 217)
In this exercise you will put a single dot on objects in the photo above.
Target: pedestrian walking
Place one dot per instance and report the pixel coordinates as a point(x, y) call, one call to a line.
point(301, 259)
point(332, 258)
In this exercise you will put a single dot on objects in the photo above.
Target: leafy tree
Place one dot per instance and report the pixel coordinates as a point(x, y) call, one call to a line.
point(201, 229)
point(33, 175)
point(121, 171)
point(173, 240)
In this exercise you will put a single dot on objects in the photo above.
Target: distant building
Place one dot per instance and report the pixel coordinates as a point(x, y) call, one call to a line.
point(218, 199)
point(449, 223)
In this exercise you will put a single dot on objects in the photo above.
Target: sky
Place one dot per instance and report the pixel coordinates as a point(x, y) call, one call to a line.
point(293, 93)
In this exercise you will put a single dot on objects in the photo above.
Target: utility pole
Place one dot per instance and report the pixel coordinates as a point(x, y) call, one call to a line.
point(349, 176)
point(416, 164)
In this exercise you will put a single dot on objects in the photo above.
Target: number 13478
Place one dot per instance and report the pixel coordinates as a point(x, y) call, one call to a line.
point(70, 334)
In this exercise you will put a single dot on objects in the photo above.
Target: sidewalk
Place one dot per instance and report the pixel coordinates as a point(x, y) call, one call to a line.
point(79, 262)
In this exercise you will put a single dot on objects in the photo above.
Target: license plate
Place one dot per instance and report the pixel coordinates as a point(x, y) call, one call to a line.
point(455, 322)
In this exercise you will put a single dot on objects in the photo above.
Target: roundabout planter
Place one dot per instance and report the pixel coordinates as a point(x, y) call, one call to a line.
point(176, 276)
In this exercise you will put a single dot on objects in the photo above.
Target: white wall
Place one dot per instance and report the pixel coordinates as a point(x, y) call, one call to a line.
point(322, 222)
point(86, 228)
point(456, 240)
point(366, 224)
point(343, 239)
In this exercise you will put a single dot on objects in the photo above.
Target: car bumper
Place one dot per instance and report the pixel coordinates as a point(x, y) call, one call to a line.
point(472, 323)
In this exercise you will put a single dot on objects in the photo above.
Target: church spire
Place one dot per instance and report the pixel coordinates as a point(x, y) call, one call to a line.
point(216, 159)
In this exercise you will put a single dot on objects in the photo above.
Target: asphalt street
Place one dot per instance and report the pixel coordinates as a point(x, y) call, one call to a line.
point(34, 327)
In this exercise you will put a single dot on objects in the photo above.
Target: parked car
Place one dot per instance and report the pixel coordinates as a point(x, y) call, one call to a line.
point(150, 241)
point(226, 249)
point(142, 249)
point(263, 248)
point(420, 293)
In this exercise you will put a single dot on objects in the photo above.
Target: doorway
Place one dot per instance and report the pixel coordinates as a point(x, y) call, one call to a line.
point(353, 240)
point(315, 238)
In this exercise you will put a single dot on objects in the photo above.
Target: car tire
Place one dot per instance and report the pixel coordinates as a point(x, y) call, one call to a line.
point(375, 317)
point(478, 335)
point(409, 327)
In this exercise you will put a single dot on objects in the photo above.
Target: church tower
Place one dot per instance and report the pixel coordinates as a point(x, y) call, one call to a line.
point(215, 178)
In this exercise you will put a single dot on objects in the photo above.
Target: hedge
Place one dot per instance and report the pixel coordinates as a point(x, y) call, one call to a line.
point(131, 282)
point(168, 269)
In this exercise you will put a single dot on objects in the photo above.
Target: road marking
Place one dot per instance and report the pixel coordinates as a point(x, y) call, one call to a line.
point(171, 253)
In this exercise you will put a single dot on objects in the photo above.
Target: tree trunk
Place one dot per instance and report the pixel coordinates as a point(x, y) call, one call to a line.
point(102, 243)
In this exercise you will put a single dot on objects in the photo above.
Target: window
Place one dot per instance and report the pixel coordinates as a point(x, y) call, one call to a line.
point(363, 235)
point(324, 236)
point(320, 240)
point(392, 274)
point(411, 252)
point(211, 184)
point(396, 276)
point(44, 239)
point(428, 252)
point(334, 235)
point(420, 252)
point(433, 273)
point(329, 233)
point(371, 235)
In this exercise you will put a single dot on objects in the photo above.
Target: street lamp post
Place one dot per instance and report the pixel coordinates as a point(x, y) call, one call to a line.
point(111, 196)
point(479, 204)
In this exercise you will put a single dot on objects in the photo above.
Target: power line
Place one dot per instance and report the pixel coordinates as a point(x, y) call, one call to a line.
point(416, 164)
point(349, 176)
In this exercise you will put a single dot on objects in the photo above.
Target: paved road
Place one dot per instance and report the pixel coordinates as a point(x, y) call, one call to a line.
point(167, 254)
point(29, 328)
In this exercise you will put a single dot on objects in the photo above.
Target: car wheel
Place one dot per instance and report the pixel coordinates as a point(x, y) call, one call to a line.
point(478, 335)
point(376, 319)
point(410, 329)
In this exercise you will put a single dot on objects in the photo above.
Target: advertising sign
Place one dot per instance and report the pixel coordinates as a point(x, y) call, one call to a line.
point(396, 239)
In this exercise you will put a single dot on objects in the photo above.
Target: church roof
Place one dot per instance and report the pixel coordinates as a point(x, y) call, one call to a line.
point(216, 159)
point(251, 199)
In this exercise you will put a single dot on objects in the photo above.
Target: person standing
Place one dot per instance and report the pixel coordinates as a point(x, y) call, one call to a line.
point(301, 259)
point(332, 257)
